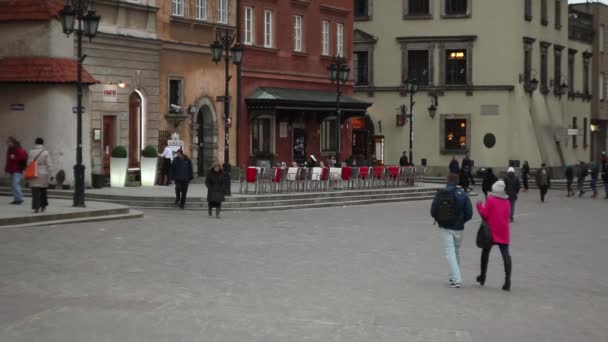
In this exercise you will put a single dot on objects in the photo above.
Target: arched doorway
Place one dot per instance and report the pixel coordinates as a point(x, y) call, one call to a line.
point(206, 136)
point(135, 129)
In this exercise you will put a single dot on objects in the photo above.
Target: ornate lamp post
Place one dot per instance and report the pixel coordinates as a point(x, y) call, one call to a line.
point(338, 72)
point(411, 86)
point(221, 47)
point(83, 12)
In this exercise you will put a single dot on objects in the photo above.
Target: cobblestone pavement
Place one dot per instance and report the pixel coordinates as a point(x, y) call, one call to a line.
point(372, 273)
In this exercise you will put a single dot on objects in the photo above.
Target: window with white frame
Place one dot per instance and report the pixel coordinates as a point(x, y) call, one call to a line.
point(297, 33)
point(325, 37)
point(201, 9)
point(248, 25)
point(222, 11)
point(178, 8)
point(340, 39)
point(268, 29)
point(328, 135)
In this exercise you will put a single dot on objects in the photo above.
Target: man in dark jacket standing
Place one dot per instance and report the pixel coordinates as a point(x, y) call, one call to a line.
point(467, 167)
point(569, 179)
point(543, 181)
point(512, 189)
point(403, 160)
point(451, 209)
point(454, 167)
point(181, 173)
point(216, 183)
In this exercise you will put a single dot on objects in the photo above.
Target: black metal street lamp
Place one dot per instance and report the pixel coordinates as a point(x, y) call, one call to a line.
point(411, 87)
point(338, 72)
point(83, 12)
point(222, 47)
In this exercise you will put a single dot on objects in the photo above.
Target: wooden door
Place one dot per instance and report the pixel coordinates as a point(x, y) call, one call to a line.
point(299, 145)
point(108, 143)
point(134, 130)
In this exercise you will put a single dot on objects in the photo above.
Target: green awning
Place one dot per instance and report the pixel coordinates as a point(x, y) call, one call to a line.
point(302, 99)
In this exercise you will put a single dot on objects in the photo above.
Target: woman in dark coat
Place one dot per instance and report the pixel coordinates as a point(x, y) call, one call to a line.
point(464, 180)
point(525, 174)
point(215, 182)
point(489, 178)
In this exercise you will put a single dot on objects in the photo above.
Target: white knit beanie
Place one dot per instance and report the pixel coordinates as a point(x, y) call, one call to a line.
point(498, 187)
point(511, 170)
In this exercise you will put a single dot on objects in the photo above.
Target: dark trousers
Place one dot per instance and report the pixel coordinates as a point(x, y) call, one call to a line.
point(181, 189)
point(569, 186)
point(215, 204)
point(485, 253)
point(525, 178)
point(506, 258)
point(543, 192)
point(39, 198)
point(471, 179)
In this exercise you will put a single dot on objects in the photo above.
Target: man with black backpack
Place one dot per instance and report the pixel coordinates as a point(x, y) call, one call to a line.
point(451, 209)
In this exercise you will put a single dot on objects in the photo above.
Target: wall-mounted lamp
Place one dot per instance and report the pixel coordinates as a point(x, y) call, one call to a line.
point(121, 84)
point(532, 84)
point(433, 107)
point(594, 128)
point(563, 87)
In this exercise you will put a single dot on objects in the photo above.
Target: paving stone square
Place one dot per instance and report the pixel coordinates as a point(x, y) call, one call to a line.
point(368, 273)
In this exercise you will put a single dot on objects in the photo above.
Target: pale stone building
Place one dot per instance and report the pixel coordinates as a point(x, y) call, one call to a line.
point(477, 62)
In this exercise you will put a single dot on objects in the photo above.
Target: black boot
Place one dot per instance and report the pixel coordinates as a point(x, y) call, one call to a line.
point(210, 210)
point(485, 256)
point(217, 212)
point(507, 285)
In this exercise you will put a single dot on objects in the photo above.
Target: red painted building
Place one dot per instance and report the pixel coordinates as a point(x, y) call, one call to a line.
point(288, 104)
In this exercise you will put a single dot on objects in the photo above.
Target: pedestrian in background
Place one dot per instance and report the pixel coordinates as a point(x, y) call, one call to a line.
point(40, 183)
point(467, 166)
point(215, 182)
point(543, 181)
point(16, 162)
point(464, 180)
point(525, 175)
point(403, 162)
point(496, 212)
point(489, 178)
point(581, 174)
point(569, 179)
point(604, 161)
point(512, 189)
point(454, 166)
point(595, 172)
point(451, 209)
point(165, 165)
point(181, 173)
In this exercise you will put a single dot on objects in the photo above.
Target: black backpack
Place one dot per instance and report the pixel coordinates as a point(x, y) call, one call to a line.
point(446, 213)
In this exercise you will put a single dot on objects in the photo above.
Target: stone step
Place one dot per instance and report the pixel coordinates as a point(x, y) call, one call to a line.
point(131, 214)
point(70, 217)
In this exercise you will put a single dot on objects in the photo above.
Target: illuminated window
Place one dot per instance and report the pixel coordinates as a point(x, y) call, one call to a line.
point(456, 135)
point(456, 67)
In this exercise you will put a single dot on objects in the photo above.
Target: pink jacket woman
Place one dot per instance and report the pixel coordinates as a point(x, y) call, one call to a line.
point(496, 212)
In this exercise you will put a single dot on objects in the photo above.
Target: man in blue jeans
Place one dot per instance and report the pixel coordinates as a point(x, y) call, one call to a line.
point(451, 209)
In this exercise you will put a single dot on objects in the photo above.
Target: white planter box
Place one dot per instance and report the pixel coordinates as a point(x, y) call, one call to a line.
point(148, 171)
point(118, 172)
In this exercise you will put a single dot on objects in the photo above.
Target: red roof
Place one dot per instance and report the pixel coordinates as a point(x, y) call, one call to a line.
point(18, 10)
point(41, 70)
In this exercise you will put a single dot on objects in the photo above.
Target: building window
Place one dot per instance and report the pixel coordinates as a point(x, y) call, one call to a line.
point(557, 69)
point(528, 59)
point(222, 11)
point(586, 83)
point(328, 135)
point(248, 26)
point(574, 126)
point(600, 88)
point(176, 89)
point(260, 136)
point(456, 67)
point(361, 67)
point(571, 84)
point(544, 20)
point(418, 7)
point(544, 67)
point(558, 14)
point(528, 10)
point(178, 8)
point(297, 33)
point(268, 29)
point(340, 39)
point(361, 8)
point(325, 38)
point(455, 135)
point(456, 7)
point(201, 9)
point(585, 124)
point(418, 66)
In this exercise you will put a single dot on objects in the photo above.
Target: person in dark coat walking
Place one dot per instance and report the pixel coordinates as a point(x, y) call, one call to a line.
point(543, 181)
point(525, 175)
point(512, 189)
point(595, 172)
point(454, 167)
point(181, 173)
point(403, 160)
point(569, 179)
point(489, 178)
point(581, 174)
point(464, 180)
point(467, 166)
point(215, 182)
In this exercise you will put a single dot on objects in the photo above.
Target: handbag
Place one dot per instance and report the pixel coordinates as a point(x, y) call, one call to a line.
point(31, 171)
point(484, 236)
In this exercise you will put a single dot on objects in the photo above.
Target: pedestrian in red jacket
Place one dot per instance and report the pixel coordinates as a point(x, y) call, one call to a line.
point(16, 161)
